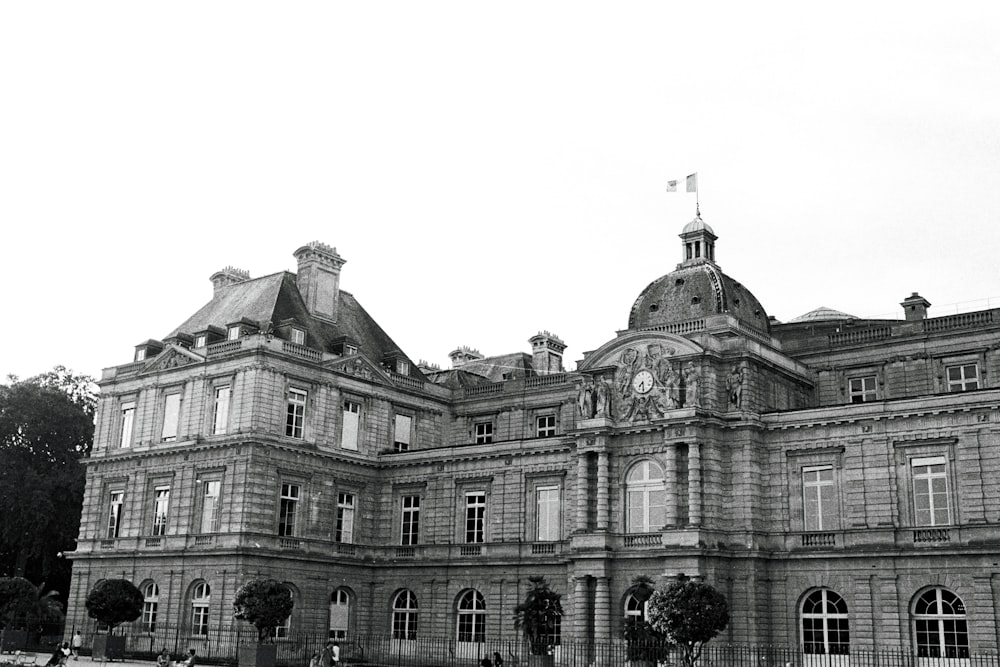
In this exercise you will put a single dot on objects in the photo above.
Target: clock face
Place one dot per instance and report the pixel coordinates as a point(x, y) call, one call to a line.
point(642, 383)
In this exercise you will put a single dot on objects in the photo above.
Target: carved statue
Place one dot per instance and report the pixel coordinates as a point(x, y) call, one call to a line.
point(692, 397)
point(734, 383)
point(585, 399)
point(602, 403)
point(670, 383)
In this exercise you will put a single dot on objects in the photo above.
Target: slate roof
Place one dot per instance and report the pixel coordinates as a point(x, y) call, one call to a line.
point(276, 298)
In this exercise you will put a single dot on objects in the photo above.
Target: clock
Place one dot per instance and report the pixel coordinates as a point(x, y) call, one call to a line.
point(642, 382)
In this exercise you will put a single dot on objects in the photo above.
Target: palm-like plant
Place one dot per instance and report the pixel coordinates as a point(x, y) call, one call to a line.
point(538, 617)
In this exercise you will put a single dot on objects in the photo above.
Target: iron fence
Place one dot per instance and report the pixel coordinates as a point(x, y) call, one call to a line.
point(220, 646)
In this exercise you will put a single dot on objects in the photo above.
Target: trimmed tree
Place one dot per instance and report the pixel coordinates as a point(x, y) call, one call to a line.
point(17, 598)
point(689, 614)
point(113, 602)
point(538, 617)
point(265, 603)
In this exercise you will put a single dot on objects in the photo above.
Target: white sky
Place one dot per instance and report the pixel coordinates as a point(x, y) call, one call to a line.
point(487, 170)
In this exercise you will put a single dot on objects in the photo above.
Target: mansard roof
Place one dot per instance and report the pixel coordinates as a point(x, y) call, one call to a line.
point(276, 298)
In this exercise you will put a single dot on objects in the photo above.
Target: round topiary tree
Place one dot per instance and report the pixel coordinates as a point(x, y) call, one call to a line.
point(265, 603)
point(113, 602)
point(689, 613)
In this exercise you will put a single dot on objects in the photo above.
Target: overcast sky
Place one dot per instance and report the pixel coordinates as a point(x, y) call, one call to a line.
point(487, 170)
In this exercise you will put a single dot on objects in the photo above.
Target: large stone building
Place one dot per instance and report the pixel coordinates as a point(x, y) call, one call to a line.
point(837, 478)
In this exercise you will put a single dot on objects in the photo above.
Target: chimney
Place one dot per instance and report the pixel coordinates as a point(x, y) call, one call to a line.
point(319, 278)
point(547, 353)
point(463, 355)
point(226, 277)
point(915, 307)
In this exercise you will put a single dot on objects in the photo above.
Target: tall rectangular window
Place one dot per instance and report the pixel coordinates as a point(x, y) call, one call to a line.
point(475, 517)
point(210, 506)
point(547, 513)
point(295, 413)
point(545, 426)
point(930, 491)
point(862, 389)
point(963, 378)
point(233, 334)
point(819, 498)
point(345, 519)
point(411, 520)
point(220, 413)
point(298, 336)
point(171, 415)
point(401, 434)
point(287, 508)
point(484, 433)
point(115, 503)
point(128, 422)
point(161, 507)
point(352, 423)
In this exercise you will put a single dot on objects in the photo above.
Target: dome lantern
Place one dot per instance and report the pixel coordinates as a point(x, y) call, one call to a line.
point(697, 242)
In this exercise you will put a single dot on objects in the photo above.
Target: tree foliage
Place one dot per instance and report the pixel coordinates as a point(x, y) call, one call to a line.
point(114, 601)
point(44, 432)
point(644, 643)
point(538, 617)
point(265, 603)
point(17, 595)
point(688, 613)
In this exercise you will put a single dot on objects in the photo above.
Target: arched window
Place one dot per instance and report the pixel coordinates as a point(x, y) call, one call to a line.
point(825, 629)
point(939, 625)
point(150, 602)
point(201, 597)
point(471, 617)
point(646, 498)
point(340, 613)
point(404, 616)
point(634, 607)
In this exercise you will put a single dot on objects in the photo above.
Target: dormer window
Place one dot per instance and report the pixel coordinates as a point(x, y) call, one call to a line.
point(298, 336)
point(234, 332)
point(201, 340)
point(403, 367)
point(140, 354)
point(350, 349)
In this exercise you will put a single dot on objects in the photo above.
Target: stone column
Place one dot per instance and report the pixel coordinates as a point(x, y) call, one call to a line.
point(582, 492)
point(602, 611)
point(581, 614)
point(603, 479)
point(694, 484)
point(670, 481)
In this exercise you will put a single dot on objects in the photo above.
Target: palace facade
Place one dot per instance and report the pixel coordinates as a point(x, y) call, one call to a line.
point(837, 478)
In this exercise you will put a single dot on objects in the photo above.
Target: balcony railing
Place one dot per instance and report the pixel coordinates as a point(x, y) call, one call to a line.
point(819, 539)
point(924, 535)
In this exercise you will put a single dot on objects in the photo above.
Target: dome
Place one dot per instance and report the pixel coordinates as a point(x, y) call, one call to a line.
point(697, 225)
point(693, 291)
point(821, 314)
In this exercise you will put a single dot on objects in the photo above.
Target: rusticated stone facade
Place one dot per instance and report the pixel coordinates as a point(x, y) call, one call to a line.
point(829, 459)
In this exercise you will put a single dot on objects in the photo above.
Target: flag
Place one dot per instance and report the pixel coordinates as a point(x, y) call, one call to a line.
point(671, 186)
point(692, 182)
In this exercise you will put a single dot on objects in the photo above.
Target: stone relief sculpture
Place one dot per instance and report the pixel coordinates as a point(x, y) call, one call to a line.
point(692, 395)
point(734, 383)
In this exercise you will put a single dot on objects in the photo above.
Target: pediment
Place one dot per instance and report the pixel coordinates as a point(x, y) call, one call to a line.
point(360, 366)
point(639, 344)
point(174, 356)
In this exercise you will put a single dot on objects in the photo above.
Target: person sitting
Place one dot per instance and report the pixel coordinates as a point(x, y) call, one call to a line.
point(187, 662)
point(163, 660)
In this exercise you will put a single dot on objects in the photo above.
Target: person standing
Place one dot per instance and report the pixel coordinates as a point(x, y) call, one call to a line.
point(336, 654)
point(77, 643)
point(326, 659)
